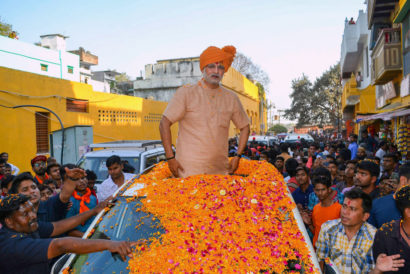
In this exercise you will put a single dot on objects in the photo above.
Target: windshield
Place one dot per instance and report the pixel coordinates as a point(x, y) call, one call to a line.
point(97, 164)
point(123, 222)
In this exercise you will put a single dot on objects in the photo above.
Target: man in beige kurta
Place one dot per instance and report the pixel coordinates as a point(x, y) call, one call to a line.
point(204, 112)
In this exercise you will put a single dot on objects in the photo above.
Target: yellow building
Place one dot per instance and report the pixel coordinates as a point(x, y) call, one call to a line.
point(251, 98)
point(375, 67)
point(25, 131)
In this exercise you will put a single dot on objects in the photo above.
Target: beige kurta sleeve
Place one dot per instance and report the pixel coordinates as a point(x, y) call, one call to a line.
point(176, 108)
point(239, 117)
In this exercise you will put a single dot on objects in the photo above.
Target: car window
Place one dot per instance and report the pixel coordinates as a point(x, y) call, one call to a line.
point(151, 160)
point(161, 157)
point(124, 222)
point(97, 164)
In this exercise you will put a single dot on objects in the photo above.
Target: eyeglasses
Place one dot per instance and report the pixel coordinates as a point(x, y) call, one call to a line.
point(39, 164)
point(212, 66)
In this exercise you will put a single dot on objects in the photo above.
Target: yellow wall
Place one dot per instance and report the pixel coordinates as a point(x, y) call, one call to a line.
point(401, 3)
point(249, 96)
point(135, 118)
point(367, 104)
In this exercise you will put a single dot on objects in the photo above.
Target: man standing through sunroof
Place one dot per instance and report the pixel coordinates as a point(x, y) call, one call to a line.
point(204, 112)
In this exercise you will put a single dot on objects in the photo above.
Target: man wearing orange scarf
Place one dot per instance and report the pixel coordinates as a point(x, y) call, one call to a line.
point(204, 112)
point(82, 201)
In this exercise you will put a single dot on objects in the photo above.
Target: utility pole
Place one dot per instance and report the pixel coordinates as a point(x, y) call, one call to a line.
point(279, 111)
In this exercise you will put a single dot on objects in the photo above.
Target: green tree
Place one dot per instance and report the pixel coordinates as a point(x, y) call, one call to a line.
point(318, 103)
point(278, 128)
point(123, 77)
point(5, 29)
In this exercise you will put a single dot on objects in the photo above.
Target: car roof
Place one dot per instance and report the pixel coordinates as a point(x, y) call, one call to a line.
point(131, 152)
point(258, 137)
point(296, 134)
point(130, 189)
point(127, 144)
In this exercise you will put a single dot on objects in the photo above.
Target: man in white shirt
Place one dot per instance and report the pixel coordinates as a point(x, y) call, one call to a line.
point(14, 170)
point(382, 150)
point(115, 179)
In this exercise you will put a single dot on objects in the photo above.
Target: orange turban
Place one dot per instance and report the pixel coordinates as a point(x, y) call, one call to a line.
point(214, 54)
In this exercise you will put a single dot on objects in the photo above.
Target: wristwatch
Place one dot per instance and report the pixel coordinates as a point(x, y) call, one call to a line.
point(170, 158)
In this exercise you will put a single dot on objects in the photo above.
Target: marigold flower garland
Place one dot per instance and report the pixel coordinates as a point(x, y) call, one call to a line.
point(218, 223)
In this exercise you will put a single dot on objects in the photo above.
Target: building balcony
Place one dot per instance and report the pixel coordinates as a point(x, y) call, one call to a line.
point(354, 38)
point(379, 10)
point(386, 57)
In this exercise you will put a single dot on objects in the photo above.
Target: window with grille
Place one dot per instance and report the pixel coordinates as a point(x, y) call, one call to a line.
point(44, 67)
point(70, 69)
point(76, 105)
point(42, 132)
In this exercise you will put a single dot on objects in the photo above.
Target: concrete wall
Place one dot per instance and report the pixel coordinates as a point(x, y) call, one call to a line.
point(166, 76)
point(113, 117)
point(23, 56)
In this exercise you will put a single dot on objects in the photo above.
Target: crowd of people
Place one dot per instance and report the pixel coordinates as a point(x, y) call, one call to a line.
point(353, 197)
point(45, 212)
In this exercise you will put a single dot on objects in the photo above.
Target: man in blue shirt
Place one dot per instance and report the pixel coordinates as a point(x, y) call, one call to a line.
point(25, 243)
point(384, 209)
point(301, 194)
point(353, 146)
point(55, 208)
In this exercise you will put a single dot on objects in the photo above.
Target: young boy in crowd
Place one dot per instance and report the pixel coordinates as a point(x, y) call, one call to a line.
point(327, 209)
point(53, 185)
point(45, 192)
point(335, 195)
point(332, 167)
point(91, 179)
point(279, 164)
point(82, 200)
point(301, 194)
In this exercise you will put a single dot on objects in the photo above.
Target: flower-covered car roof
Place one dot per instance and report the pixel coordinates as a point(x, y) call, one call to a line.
point(219, 223)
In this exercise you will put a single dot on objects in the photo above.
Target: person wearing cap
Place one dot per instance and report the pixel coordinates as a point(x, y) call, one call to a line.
point(204, 112)
point(38, 164)
point(393, 238)
point(27, 246)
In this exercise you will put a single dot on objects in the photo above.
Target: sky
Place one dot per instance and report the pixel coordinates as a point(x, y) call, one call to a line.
point(285, 38)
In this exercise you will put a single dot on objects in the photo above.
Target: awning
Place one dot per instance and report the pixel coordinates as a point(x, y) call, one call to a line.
point(384, 116)
point(402, 14)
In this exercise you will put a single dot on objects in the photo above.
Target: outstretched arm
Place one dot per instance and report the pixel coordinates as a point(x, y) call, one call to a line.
point(68, 224)
point(64, 245)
